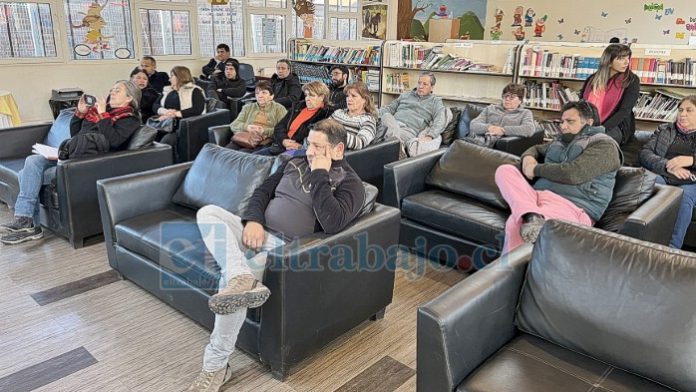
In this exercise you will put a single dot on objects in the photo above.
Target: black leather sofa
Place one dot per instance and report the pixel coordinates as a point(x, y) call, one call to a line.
point(152, 240)
point(69, 206)
point(584, 310)
point(451, 208)
point(368, 162)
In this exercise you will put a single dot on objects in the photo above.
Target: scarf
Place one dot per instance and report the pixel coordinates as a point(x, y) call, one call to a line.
point(114, 114)
point(682, 129)
point(612, 97)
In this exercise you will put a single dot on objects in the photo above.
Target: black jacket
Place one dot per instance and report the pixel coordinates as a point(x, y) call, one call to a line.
point(337, 97)
point(621, 124)
point(286, 91)
point(280, 132)
point(158, 80)
point(117, 134)
point(334, 209)
point(231, 88)
point(212, 65)
point(149, 97)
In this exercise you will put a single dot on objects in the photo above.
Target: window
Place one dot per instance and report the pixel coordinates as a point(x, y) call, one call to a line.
point(343, 5)
point(99, 30)
point(221, 24)
point(343, 28)
point(165, 32)
point(26, 30)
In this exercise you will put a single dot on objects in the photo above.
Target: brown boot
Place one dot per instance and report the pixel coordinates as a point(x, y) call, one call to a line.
point(242, 291)
point(211, 381)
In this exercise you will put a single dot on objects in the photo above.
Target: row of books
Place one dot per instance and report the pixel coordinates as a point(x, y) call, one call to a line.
point(660, 104)
point(370, 55)
point(418, 56)
point(397, 82)
point(547, 95)
point(368, 76)
point(660, 71)
point(545, 63)
point(550, 127)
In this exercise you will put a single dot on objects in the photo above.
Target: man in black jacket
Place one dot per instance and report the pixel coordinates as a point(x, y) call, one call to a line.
point(286, 85)
point(339, 81)
point(316, 193)
point(216, 64)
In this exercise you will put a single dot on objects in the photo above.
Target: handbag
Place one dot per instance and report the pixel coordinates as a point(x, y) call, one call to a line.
point(250, 140)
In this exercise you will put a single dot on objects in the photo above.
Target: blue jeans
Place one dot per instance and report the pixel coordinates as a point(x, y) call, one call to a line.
point(31, 178)
point(686, 209)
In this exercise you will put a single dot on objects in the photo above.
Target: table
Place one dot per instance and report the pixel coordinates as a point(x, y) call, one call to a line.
point(9, 113)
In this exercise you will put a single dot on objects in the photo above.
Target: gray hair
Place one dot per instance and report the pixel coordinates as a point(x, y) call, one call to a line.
point(430, 75)
point(132, 91)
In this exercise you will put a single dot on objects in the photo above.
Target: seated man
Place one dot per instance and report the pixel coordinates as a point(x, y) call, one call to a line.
point(319, 192)
point(339, 80)
point(157, 79)
point(286, 84)
point(421, 118)
point(508, 118)
point(216, 65)
point(227, 85)
point(575, 177)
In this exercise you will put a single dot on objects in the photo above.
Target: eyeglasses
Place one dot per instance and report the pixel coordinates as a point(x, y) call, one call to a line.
point(510, 96)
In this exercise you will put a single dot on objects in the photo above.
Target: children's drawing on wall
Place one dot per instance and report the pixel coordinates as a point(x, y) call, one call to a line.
point(496, 33)
point(94, 22)
point(540, 26)
point(453, 18)
point(374, 21)
point(305, 11)
point(517, 16)
point(519, 33)
point(529, 17)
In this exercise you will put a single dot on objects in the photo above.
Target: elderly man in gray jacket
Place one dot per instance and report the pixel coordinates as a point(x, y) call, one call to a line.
point(416, 117)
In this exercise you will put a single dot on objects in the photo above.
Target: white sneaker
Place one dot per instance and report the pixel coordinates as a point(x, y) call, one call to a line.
point(211, 381)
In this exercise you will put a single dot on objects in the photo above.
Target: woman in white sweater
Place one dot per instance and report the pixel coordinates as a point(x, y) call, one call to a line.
point(359, 119)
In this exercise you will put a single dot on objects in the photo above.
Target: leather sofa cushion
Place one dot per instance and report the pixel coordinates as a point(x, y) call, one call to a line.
point(143, 137)
point(625, 302)
point(223, 177)
point(450, 132)
point(530, 364)
point(457, 215)
point(469, 170)
point(634, 186)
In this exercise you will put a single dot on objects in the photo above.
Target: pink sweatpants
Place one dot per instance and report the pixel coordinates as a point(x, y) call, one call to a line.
point(523, 199)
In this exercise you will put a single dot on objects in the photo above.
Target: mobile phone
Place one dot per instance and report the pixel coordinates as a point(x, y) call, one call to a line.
point(90, 100)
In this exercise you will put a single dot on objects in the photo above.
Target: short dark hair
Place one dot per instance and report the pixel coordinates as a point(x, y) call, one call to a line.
point(514, 88)
point(150, 58)
point(586, 110)
point(264, 85)
point(341, 68)
point(286, 61)
point(223, 46)
point(136, 71)
point(333, 130)
point(614, 40)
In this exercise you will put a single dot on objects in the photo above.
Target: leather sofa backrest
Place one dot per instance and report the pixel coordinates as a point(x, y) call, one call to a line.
point(223, 177)
point(370, 199)
point(468, 112)
point(634, 186)
point(469, 170)
point(625, 302)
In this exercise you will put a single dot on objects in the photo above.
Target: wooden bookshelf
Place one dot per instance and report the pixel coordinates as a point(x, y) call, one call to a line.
point(312, 60)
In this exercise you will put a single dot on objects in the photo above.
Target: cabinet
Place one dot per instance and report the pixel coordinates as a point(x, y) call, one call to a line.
point(465, 71)
point(312, 60)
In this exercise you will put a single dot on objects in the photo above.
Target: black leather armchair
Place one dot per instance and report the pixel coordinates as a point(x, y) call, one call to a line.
point(69, 204)
point(449, 199)
point(368, 162)
point(314, 297)
point(192, 132)
point(561, 317)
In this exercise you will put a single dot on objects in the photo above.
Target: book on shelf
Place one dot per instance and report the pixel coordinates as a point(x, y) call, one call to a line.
point(544, 63)
point(660, 104)
point(306, 51)
point(417, 56)
point(397, 82)
point(551, 127)
point(664, 71)
point(550, 95)
point(48, 152)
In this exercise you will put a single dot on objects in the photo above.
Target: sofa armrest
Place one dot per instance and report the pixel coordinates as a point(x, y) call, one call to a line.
point(369, 162)
point(407, 177)
point(124, 197)
point(518, 144)
point(466, 324)
point(322, 286)
point(17, 141)
point(193, 132)
point(654, 220)
point(220, 135)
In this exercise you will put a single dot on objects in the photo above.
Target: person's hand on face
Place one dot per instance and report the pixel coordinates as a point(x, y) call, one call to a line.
point(101, 105)
point(253, 235)
point(322, 159)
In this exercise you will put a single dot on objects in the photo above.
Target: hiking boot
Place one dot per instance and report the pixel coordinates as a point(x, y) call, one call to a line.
point(18, 224)
point(242, 291)
point(24, 235)
point(211, 381)
point(531, 227)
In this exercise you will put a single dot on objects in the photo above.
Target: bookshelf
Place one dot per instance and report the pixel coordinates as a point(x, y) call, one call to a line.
point(466, 71)
point(312, 60)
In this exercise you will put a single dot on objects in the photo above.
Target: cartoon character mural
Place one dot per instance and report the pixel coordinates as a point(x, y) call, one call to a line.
point(496, 33)
point(529, 17)
point(540, 26)
point(517, 16)
point(94, 23)
point(499, 16)
point(518, 33)
point(305, 10)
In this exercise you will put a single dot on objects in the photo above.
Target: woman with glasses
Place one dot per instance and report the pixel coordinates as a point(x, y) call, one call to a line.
point(614, 90)
point(508, 118)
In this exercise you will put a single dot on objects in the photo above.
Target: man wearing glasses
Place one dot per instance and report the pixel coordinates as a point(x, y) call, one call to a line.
point(339, 80)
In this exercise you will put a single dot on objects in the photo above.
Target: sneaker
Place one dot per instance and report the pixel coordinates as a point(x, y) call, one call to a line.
point(530, 229)
point(211, 381)
point(242, 291)
point(23, 235)
point(18, 224)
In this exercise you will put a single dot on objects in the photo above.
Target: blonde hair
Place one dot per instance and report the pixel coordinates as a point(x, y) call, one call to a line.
point(183, 75)
point(319, 88)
